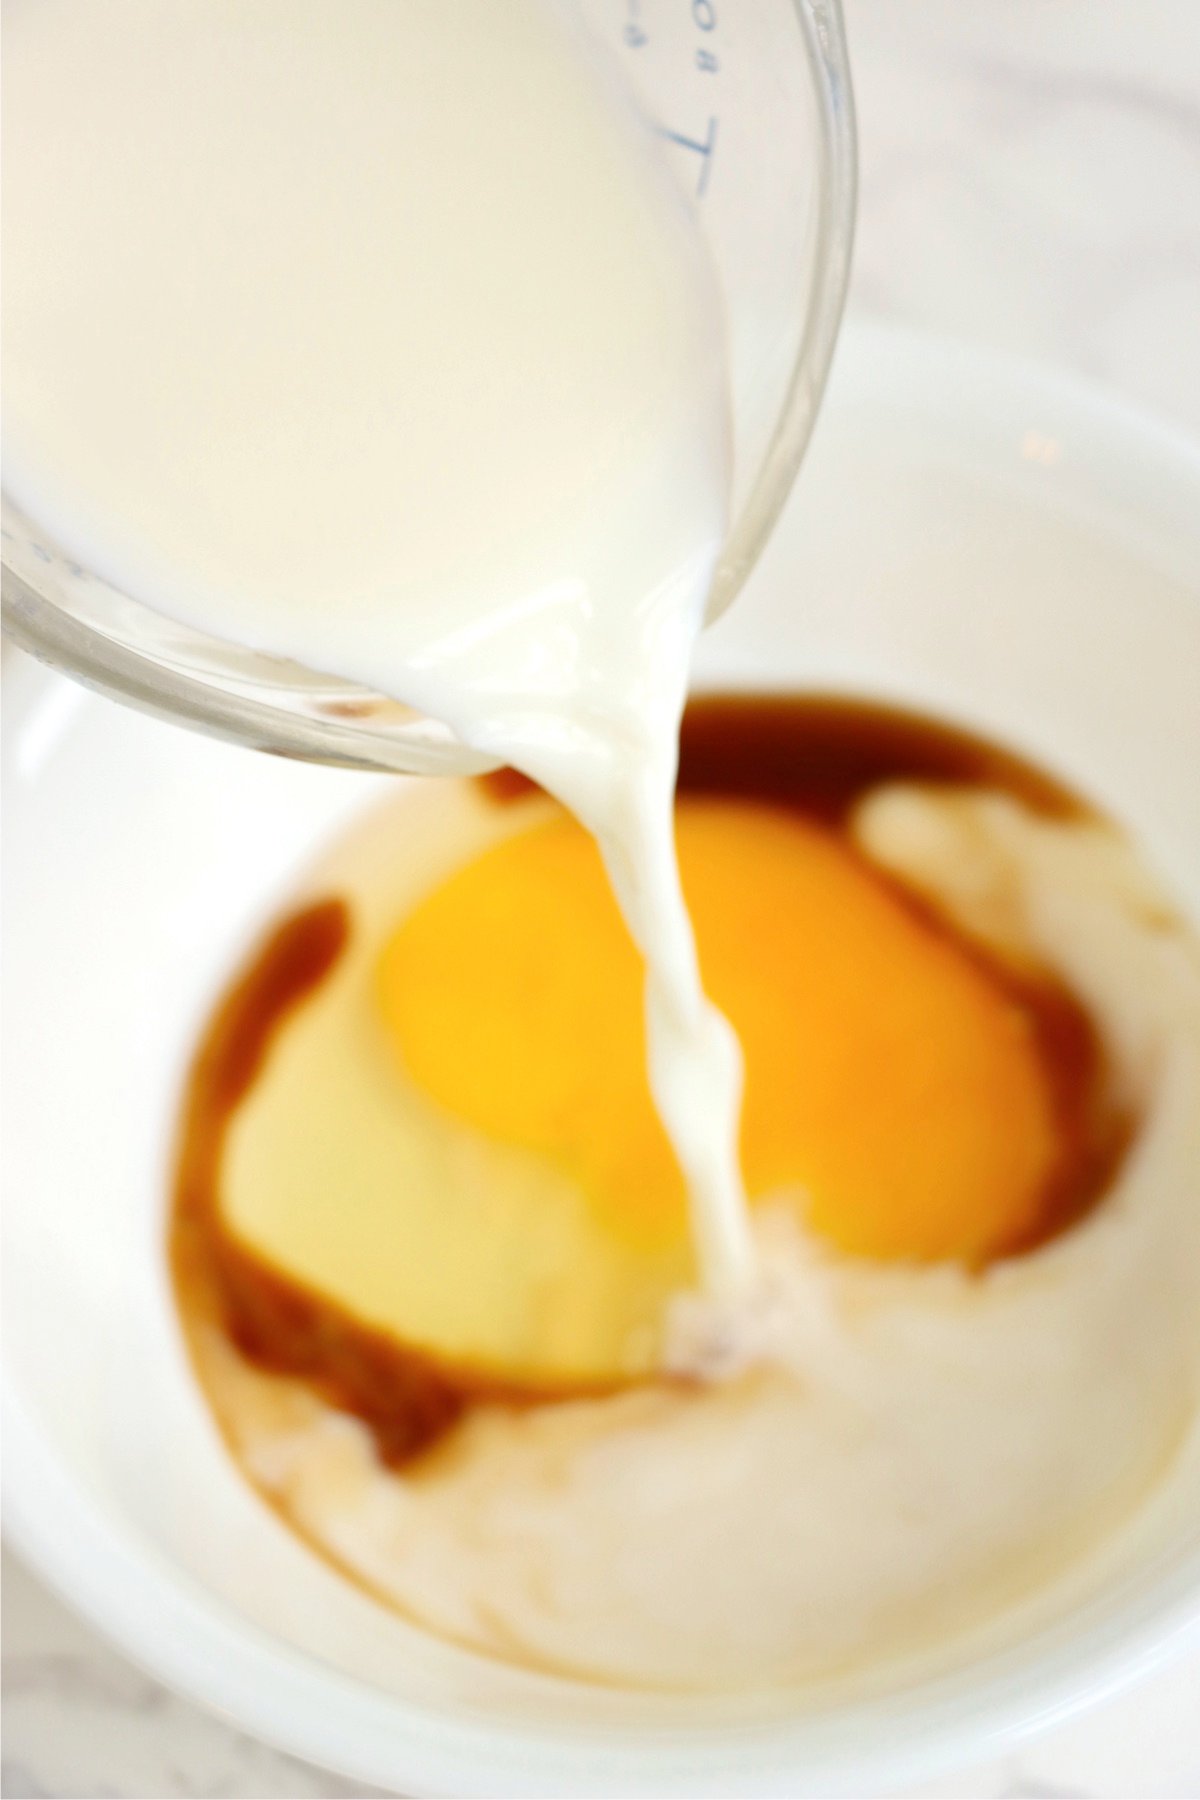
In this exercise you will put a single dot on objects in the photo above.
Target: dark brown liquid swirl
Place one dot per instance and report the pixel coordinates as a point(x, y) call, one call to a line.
point(818, 756)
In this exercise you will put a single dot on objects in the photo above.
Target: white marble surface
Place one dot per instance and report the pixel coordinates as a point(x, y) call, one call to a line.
point(1031, 179)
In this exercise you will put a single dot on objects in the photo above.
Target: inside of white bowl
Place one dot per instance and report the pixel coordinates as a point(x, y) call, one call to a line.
point(968, 538)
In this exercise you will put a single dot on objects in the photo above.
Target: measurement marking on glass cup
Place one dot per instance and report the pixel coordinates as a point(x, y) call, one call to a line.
point(703, 147)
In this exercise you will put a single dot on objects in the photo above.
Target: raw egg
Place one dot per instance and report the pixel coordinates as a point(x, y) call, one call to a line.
point(452, 1144)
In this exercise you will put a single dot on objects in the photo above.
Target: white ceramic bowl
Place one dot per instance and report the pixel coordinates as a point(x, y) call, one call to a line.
point(969, 535)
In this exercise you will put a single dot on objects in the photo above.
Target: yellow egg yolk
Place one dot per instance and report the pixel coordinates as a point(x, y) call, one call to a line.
point(894, 1085)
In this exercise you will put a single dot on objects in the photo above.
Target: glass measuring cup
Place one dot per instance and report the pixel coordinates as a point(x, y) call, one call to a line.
point(754, 103)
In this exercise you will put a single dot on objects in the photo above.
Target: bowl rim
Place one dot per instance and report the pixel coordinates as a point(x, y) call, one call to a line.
point(171, 1626)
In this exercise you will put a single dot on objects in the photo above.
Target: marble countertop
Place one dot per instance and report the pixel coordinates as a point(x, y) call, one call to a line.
point(1031, 180)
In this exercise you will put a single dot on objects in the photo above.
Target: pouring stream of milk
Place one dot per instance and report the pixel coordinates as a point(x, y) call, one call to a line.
point(377, 337)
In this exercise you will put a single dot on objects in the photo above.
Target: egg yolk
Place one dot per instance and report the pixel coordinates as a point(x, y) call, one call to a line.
point(894, 1088)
